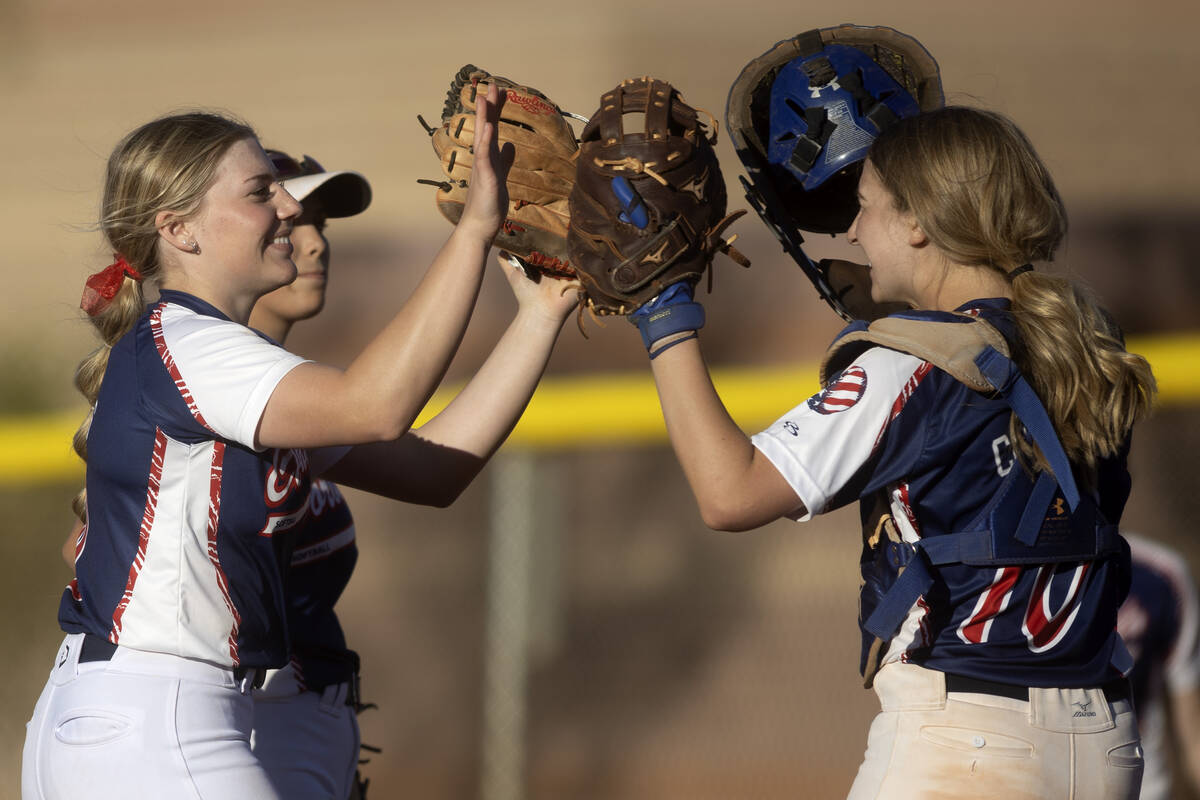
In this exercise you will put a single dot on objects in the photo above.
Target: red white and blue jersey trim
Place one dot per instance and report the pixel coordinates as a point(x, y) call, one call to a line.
point(842, 393)
point(174, 558)
point(821, 444)
point(894, 424)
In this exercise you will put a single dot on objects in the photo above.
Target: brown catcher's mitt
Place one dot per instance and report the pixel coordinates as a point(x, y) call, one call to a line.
point(648, 206)
point(541, 176)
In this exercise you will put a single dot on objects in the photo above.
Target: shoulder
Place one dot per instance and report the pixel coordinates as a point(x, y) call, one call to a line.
point(222, 371)
point(200, 337)
point(877, 374)
point(172, 324)
point(950, 340)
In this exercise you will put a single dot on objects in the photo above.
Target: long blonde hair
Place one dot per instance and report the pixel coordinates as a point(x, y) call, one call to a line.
point(981, 194)
point(165, 165)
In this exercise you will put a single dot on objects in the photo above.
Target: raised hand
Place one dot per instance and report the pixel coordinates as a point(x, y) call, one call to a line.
point(538, 294)
point(487, 198)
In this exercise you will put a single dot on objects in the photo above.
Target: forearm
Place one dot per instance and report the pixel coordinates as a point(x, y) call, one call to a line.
point(735, 486)
point(380, 394)
point(432, 465)
point(482, 415)
point(398, 371)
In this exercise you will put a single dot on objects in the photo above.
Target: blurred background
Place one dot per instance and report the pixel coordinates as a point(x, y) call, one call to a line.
point(663, 659)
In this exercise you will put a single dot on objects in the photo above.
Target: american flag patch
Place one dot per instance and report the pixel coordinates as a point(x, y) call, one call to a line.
point(846, 389)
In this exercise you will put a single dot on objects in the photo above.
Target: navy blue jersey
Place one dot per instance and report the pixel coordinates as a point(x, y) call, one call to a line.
point(894, 426)
point(321, 565)
point(182, 549)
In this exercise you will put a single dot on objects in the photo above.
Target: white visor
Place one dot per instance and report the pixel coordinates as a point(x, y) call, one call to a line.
point(343, 194)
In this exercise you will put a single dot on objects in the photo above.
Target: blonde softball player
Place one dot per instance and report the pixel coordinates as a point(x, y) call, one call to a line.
point(201, 447)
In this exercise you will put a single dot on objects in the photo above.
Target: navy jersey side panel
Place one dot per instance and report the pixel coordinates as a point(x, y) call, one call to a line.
point(321, 565)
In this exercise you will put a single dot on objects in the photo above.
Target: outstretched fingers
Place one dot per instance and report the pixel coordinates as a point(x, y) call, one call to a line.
point(494, 159)
point(487, 197)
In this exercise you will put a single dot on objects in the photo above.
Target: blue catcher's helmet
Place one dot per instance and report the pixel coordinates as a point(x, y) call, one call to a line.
point(827, 108)
point(802, 117)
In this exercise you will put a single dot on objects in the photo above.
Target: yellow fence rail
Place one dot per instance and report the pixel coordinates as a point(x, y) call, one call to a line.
point(599, 410)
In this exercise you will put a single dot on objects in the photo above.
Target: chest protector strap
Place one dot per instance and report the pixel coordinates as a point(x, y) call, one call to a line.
point(1024, 522)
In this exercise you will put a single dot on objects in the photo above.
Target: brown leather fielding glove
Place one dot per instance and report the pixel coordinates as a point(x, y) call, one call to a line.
point(541, 176)
point(648, 206)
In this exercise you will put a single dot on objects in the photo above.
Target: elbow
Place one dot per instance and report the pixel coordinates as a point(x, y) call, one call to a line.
point(444, 497)
point(723, 516)
point(382, 428)
point(441, 491)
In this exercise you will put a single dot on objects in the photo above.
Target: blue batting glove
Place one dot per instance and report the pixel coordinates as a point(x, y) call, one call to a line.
point(671, 312)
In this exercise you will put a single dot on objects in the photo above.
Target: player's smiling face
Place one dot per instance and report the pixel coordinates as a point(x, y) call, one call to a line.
point(887, 237)
point(305, 296)
point(244, 223)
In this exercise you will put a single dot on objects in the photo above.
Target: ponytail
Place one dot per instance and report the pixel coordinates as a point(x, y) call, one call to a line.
point(983, 197)
point(116, 319)
point(1075, 358)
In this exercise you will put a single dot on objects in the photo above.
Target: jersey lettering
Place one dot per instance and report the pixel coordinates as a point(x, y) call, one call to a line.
point(277, 523)
point(323, 496)
point(323, 548)
point(976, 627)
point(1003, 451)
point(288, 468)
point(1043, 627)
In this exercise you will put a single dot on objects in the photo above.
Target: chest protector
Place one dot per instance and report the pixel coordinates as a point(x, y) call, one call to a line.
point(1023, 523)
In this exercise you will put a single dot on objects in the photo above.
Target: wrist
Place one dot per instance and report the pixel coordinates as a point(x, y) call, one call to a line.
point(664, 344)
point(667, 321)
point(474, 234)
point(535, 320)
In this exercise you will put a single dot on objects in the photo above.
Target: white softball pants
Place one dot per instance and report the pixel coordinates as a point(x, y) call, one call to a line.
point(1061, 744)
point(306, 741)
point(141, 725)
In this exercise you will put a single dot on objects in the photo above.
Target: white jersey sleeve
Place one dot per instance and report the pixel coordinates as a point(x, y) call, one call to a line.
point(224, 371)
point(820, 445)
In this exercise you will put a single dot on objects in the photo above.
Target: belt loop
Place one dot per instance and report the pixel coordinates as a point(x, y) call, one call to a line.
point(909, 687)
point(248, 678)
point(66, 660)
point(1070, 710)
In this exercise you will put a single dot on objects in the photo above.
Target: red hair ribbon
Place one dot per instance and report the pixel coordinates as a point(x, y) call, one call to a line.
point(102, 287)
